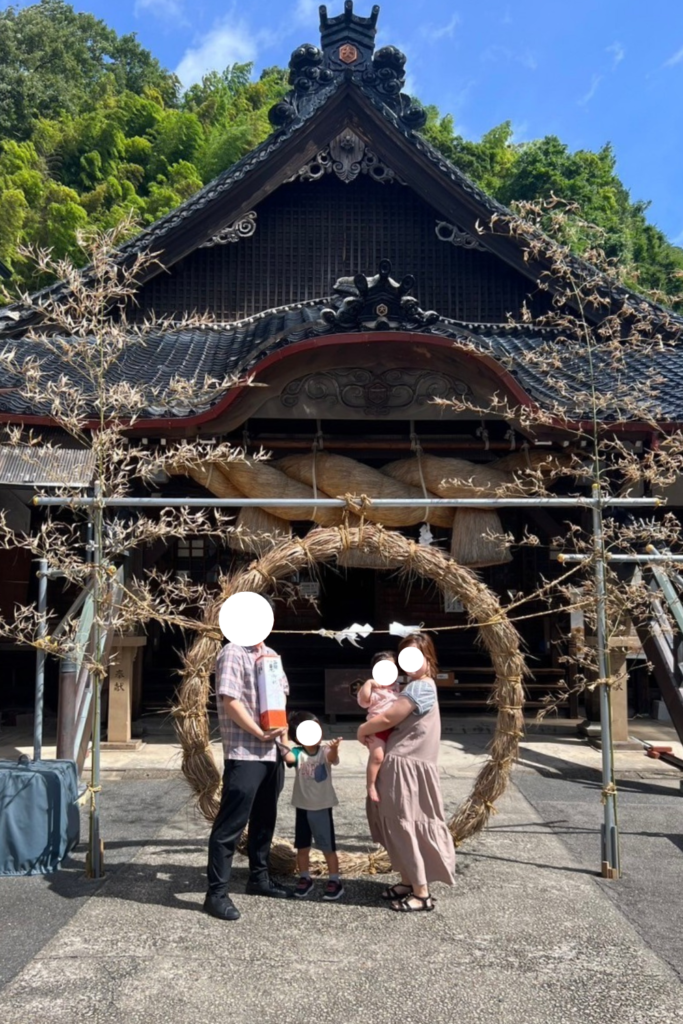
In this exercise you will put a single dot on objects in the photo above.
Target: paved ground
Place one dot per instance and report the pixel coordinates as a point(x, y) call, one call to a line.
point(529, 934)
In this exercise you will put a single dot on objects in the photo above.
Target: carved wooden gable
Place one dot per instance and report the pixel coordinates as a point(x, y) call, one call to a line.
point(341, 213)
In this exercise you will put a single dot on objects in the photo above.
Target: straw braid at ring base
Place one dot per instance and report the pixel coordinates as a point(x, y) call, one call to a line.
point(326, 544)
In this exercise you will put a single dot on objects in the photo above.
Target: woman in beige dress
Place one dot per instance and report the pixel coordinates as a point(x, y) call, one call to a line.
point(409, 820)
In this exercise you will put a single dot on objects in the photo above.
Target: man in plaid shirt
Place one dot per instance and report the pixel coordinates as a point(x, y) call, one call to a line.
point(252, 782)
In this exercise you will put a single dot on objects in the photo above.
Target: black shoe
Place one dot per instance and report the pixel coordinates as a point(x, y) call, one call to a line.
point(266, 887)
point(221, 907)
point(303, 887)
point(334, 890)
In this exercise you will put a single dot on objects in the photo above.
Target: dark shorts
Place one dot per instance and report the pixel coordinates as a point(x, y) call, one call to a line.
point(384, 735)
point(315, 826)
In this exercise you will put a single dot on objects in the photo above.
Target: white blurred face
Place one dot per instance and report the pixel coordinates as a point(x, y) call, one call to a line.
point(412, 661)
point(385, 673)
point(309, 734)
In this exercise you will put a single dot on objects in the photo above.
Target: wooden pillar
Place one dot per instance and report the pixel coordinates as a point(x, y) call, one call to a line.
point(619, 693)
point(67, 709)
point(619, 648)
point(121, 682)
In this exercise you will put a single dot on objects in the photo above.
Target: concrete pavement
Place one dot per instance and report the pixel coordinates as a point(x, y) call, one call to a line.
point(528, 934)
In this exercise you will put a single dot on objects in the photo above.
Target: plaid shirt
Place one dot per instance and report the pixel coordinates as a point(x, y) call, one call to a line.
point(236, 677)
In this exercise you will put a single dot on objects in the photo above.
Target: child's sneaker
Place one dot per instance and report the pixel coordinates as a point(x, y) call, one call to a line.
point(333, 890)
point(303, 887)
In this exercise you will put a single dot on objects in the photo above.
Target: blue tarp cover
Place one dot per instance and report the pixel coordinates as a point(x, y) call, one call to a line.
point(39, 815)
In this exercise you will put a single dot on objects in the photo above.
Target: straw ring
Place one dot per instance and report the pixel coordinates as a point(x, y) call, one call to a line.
point(323, 545)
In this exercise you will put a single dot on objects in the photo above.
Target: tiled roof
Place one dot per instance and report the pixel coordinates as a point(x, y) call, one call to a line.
point(238, 348)
point(45, 466)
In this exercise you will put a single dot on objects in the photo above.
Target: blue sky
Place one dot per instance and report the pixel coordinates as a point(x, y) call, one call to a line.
point(589, 71)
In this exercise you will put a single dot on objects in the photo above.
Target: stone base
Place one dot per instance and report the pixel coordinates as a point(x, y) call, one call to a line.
point(123, 745)
point(593, 733)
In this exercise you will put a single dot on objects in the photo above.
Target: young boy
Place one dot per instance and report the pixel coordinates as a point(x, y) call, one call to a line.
point(314, 797)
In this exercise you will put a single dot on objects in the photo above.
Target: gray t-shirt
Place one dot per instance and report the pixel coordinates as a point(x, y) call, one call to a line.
point(313, 789)
point(422, 692)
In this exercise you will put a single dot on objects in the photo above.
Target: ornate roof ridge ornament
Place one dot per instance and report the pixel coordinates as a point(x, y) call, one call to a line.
point(347, 51)
point(347, 156)
point(377, 303)
point(446, 232)
point(245, 227)
point(336, 32)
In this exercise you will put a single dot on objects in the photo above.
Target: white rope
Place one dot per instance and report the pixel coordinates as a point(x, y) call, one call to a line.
point(416, 447)
point(318, 444)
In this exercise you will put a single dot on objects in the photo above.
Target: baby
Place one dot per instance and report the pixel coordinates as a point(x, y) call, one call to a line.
point(377, 699)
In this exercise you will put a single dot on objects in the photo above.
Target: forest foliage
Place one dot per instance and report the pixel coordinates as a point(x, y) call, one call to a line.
point(92, 128)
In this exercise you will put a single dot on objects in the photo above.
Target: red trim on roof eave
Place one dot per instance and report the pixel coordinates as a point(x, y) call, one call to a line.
point(328, 341)
point(372, 337)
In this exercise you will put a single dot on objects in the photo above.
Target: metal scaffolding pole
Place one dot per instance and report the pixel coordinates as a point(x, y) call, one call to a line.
point(636, 559)
point(40, 661)
point(610, 831)
point(95, 867)
point(425, 503)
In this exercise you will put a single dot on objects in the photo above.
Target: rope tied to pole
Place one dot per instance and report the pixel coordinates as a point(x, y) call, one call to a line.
point(90, 793)
point(610, 790)
point(357, 503)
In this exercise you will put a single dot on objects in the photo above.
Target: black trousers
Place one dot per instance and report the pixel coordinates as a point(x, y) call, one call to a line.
point(250, 794)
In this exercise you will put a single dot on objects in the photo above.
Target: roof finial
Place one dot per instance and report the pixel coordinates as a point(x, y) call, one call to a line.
point(348, 38)
point(347, 54)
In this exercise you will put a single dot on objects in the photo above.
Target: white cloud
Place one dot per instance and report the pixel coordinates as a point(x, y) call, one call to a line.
point(168, 10)
point(618, 53)
point(306, 12)
point(436, 32)
point(494, 54)
point(228, 42)
point(411, 84)
point(676, 58)
point(462, 98)
point(520, 132)
point(595, 83)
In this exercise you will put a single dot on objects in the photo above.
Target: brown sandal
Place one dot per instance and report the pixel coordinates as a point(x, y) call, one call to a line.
point(404, 906)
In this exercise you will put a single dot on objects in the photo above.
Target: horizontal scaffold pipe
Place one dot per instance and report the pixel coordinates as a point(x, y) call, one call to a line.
point(643, 559)
point(354, 503)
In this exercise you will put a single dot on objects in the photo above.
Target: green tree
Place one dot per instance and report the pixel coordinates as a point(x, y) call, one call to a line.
point(53, 60)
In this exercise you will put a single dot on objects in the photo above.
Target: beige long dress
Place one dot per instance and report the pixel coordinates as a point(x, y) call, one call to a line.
point(409, 821)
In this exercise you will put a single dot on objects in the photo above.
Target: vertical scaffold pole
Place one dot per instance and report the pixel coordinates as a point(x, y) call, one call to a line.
point(95, 867)
point(40, 662)
point(610, 832)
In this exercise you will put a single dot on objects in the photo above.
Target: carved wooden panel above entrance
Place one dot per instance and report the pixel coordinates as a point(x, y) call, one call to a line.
point(336, 392)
